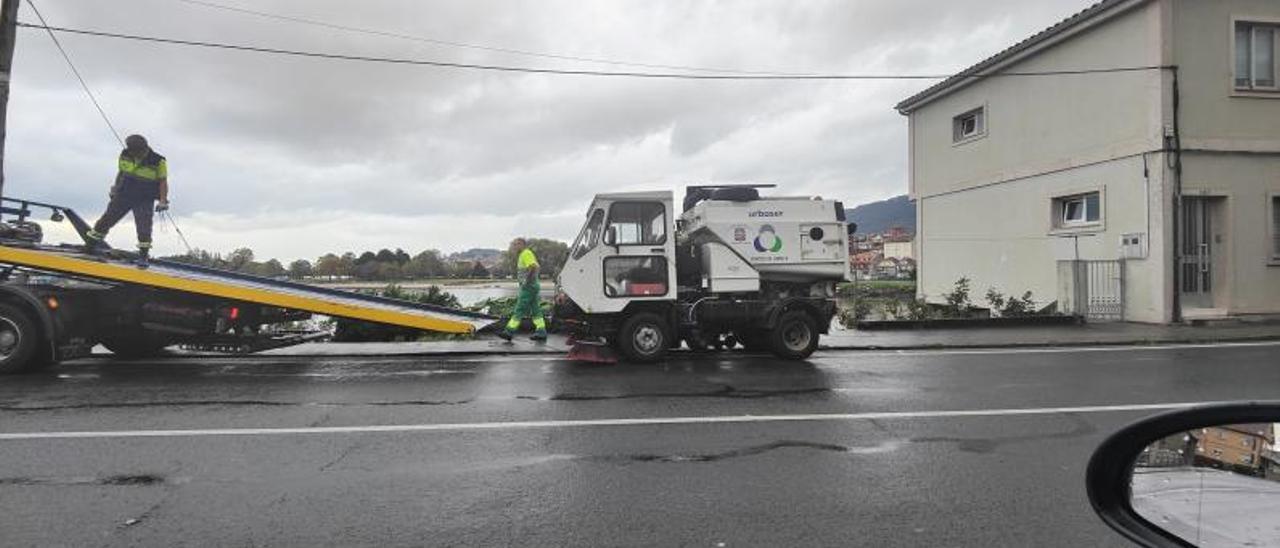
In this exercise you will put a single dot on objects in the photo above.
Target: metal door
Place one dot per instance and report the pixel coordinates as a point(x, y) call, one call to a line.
point(1196, 233)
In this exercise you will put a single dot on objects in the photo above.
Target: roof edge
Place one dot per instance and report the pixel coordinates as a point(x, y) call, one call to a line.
point(1094, 15)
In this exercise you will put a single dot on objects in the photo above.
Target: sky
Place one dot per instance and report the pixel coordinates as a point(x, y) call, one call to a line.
point(299, 157)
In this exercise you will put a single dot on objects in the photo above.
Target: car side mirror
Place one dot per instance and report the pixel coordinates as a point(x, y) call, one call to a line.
point(1205, 476)
point(853, 228)
point(611, 236)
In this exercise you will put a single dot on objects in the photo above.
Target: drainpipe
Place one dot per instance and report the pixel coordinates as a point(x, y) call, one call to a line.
point(1174, 147)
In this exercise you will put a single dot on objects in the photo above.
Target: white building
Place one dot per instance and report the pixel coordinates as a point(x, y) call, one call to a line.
point(899, 249)
point(1013, 170)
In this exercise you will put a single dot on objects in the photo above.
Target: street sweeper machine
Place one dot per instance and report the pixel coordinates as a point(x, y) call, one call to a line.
point(731, 267)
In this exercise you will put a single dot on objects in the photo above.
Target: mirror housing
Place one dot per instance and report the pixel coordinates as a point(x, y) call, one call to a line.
point(611, 236)
point(1109, 477)
point(853, 228)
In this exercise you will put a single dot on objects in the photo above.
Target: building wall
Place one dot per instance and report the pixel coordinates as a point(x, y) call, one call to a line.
point(1039, 124)
point(1002, 236)
point(1215, 115)
point(1247, 182)
point(899, 250)
point(984, 208)
point(1233, 143)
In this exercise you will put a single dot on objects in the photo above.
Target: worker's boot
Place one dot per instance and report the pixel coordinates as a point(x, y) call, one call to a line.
point(505, 335)
point(95, 246)
point(144, 259)
point(539, 335)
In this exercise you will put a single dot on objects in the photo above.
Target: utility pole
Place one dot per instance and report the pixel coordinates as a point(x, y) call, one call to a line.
point(8, 33)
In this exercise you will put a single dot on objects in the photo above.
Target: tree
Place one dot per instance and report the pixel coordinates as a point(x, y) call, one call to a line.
point(347, 264)
point(270, 269)
point(402, 258)
point(389, 271)
point(240, 259)
point(427, 264)
point(366, 271)
point(478, 271)
point(366, 258)
point(459, 269)
point(551, 256)
point(300, 269)
point(328, 266)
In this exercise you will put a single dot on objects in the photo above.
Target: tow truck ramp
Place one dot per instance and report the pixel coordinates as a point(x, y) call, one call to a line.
point(181, 277)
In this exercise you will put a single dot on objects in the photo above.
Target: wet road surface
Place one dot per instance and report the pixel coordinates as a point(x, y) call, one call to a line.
point(973, 448)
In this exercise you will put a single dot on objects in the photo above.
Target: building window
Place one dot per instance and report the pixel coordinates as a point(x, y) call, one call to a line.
point(970, 125)
point(1256, 56)
point(1275, 228)
point(1077, 210)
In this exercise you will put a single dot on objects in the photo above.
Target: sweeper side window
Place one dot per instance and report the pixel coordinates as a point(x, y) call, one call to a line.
point(644, 276)
point(639, 223)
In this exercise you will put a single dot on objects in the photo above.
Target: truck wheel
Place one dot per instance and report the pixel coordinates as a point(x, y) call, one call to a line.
point(644, 338)
point(18, 340)
point(132, 347)
point(795, 337)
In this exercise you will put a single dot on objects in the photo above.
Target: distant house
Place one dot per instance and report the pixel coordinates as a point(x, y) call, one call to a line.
point(864, 264)
point(1241, 446)
point(901, 247)
point(1172, 175)
point(892, 268)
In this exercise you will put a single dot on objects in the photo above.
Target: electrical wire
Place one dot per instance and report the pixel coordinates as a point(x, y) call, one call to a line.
point(565, 72)
point(83, 84)
point(169, 216)
point(450, 43)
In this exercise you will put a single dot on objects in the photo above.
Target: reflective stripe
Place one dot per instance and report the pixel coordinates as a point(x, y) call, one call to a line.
point(539, 323)
point(142, 170)
point(144, 245)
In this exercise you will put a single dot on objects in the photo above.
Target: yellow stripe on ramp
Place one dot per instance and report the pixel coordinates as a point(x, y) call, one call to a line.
point(119, 273)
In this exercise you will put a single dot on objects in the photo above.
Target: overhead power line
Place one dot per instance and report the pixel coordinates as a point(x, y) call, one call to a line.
point(451, 43)
point(83, 84)
point(569, 72)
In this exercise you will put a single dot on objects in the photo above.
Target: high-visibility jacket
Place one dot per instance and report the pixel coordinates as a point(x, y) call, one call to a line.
point(141, 178)
point(524, 263)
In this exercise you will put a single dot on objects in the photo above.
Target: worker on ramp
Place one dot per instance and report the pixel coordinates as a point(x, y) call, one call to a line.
point(143, 179)
point(528, 304)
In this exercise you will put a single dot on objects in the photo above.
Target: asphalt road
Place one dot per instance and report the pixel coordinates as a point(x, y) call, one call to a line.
point(966, 448)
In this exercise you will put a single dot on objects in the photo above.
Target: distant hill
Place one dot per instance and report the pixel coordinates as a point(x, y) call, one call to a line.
point(484, 256)
point(877, 217)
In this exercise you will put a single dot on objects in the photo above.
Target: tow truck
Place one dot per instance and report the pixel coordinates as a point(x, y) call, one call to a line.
point(57, 302)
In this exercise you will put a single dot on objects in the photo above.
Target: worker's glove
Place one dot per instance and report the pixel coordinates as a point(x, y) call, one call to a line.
point(162, 207)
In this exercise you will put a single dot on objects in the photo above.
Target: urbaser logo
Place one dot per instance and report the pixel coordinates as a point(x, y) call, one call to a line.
point(755, 214)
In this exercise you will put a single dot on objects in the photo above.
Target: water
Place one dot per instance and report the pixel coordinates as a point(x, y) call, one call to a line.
point(470, 295)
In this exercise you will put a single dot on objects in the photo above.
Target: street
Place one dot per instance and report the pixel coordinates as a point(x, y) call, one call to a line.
point(946, 448)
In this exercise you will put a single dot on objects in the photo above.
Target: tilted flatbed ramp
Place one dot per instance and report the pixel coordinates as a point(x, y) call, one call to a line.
point(250, 289)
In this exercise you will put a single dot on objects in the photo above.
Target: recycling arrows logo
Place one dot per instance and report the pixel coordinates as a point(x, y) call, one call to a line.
point(768, 240)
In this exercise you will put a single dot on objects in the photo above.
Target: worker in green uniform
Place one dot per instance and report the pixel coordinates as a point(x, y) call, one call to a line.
point(528, 304)
point(141, 187)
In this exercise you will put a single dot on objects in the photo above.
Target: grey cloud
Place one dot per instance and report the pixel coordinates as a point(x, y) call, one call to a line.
point(251, 137)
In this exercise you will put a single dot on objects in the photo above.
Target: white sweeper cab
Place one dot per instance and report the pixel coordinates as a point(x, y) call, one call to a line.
point(730, 267)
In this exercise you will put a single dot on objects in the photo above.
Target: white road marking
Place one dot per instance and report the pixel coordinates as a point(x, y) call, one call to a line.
point(656, 421)
point(1047, 350)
